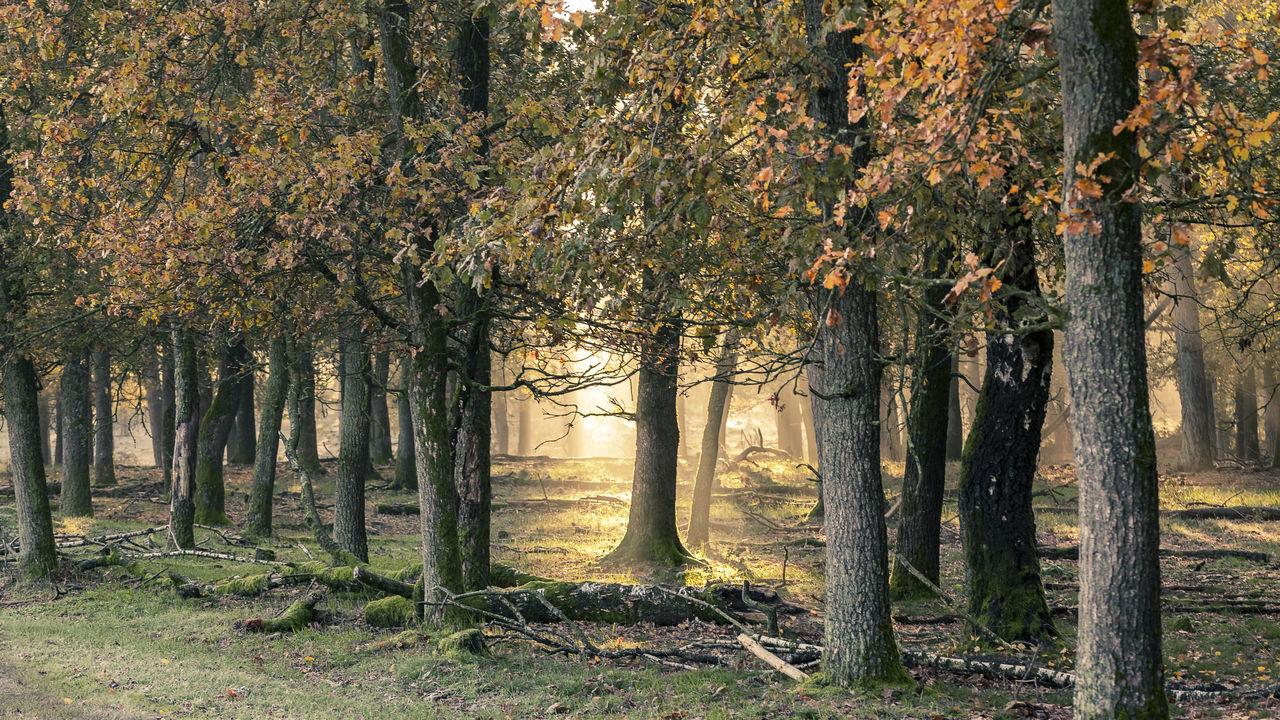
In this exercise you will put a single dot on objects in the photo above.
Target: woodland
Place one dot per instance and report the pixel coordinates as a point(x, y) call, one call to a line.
point(639, 358)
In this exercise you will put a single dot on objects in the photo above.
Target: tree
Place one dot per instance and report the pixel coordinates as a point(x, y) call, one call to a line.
point(182, 502)
point(704, 481)
point(264, 465)
point(353, 455)
point(1198, 436)
point(104, 418)
point(379, 416)
point(215, 427)
point(1119, 665)
point(76, 408)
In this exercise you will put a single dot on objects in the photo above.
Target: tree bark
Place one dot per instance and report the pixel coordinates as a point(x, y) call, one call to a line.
point(652, 536)
point(406, 463)
point(304, 367)
point(997, 525)
point(704, 482)
point(524, 432)
point(1119, 663)
point(186, 383)
point(891, 425)
point(104, 449)
point(1271, 386)
point(858, 634)
point(36, 553)
point(1246, 401)
point(242, 443)
point(215, 428)
point(955, 423)
point(155, 404)
point(788, 424)
point(501, 417)
point(471, 452)
point(167, 397)
point(1194, 391)
point(42, 408)
point(925, 476)
point(817, 407)
point(258, 519)
point(379, 416)
point(77, 429)
point(353, 453)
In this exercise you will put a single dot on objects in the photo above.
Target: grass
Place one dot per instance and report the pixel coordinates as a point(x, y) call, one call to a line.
point(105, 648)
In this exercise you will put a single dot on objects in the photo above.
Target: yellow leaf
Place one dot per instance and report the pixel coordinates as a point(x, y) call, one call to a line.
point(1148, 266)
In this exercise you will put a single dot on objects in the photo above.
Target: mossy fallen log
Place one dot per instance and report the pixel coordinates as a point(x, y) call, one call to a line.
point(463, 646)
point(298, 616)
point(394, 611)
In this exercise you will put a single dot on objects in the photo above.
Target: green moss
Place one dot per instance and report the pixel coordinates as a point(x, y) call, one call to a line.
point(463, 646)
point(407, 573)
point(394, 611)
point(246, 586)
point(506, 576)
point(297, 617)
point(341, 577)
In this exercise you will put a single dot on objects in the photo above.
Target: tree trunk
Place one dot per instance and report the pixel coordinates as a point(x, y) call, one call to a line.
point(652, 536)
point(788, 424)
point(36, 554)
point(104, 449)
point(805, 401)
point(997, 525)
point(925, 476)
point(186, 383)
point(155, 404)
point(501, 417)
point(471, 451)
point(242, 444)
point(264, 465)
point(77, 430)
point(1119, 663)
point(955, 423)
point(1194, 391)
point(817, 407)
point(215, 428)
point(304, 366)
point(167, 397)
point(379, 416)
point(42, 409)
point(704, 482)
point(57, 424)
point(1271, 386)
point(406, 464)
point(1247, 413)
point(891, 427)
point(524, 431)
point(353, 453)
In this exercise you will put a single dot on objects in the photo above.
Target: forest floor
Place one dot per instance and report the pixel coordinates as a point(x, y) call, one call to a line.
point(110, 644)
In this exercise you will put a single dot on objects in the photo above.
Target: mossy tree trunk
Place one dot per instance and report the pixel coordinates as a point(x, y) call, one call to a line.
point(264, 465)
point(242, 444)
point(997, 526)
point(75, 401)
point(472, 448)
point(379, 416)
point(1119, 662)
point(704, 482)
point(353, 454)
point(304, 367)
point(406, 462)
point(1246, 402)
point(215, 428)
point(186, 382)
point(925, 476)
point(652, 535)
point(104, 448)
point(1271, 388)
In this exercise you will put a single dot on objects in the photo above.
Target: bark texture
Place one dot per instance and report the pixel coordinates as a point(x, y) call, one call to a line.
point(925, 476)
point(155, 402)
point(186, 382)
point(168, 397)
point(353, 453)
point(215, 428)
point(75, 403)
point(1271, 389)
point(406, 464)
point(1246, 402)
point(997, 525)
point(304, 366)
point(1194, 391)
point(104, 448)
point(858, 634)
point(242, 444)
point(1119, 664)
point(36, 553)
point(704, 482)
point(955, 422)
point(379, 415)
point(264, 464)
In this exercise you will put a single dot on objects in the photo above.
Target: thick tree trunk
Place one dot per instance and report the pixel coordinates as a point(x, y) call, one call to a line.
point(186, 383)
point(304, 366)
point(501, 417)
point(42, 405)
point(215, 428)
point(704, 482)
point(353, 454)
point(997, 525)
point(77, 429)
point(1246, 402)
point(471, 451)
point(406, 463)
point(242, 444)
point(1119, 663)
point(924, 479)
point(1199, 437)
point(36, 553)
point(104, 448)
point(379, 416)
point(652, 536)
point(955, 423)
point(264, 465)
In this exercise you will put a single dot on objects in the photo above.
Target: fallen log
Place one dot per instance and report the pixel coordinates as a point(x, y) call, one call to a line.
point(772, 660)
point(382, 583)
point(297, 617)
point(1072, 552)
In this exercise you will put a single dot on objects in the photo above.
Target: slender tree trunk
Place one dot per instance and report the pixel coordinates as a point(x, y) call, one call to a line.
point(524, 433)
point(77, 430)
point(806, 419)
point(955, 423)
point(788, 424)
point(815, 380)
point(997, 525)
point(57, 424)
point(215, 428)
point(1247, 413)
point(242, 444)
point(1119, 663)
point(1272, 389)
point(155, 404)
point(353, 454)
point(704, 482)
point(892, 426)
point(104, 449)
point(264, 465)
point(1194, 390)
point(304, 366)
point(501, 417)
point(167, 396)
point(42, 406)
point(652, 536)
point(925, 476)
point(379, 416)
point(406, 463)
point(186, 383)
point(36, 553)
